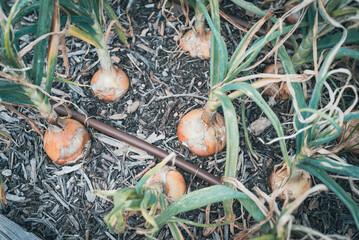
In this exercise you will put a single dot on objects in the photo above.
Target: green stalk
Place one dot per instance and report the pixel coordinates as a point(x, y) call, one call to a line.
point(288, 66)
point(342, 53)
point(245, 130)
point(105, 59)
point(102, 50)
point(252, 8)
point(232, 148)
point(98, 41)
point(199, 24)
point(213, 102)
point(43, 27)
point(42, 104)
point(53, 47)
point(7, 41)
point(78, 33)
point(210, 195)
point(251, 92)
point(304, 51)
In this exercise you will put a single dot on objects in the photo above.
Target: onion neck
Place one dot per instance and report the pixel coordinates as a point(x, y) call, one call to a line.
point(104, 57)
point(43, 105)
point(102, 50)
point(199, 23)
point(209, 111)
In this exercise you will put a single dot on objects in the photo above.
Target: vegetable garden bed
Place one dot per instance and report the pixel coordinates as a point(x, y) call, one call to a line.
point(56, 202)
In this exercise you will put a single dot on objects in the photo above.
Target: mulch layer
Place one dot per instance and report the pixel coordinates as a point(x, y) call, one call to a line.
point(165, 84)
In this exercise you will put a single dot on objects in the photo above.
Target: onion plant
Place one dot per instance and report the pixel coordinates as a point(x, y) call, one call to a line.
point(197, 41)
point(225, 87)
point(280, 220)
point(344, 12)
point(150, 201)
point(277, 90)
point(109, 83)
point(22, 84)
point(318, 124)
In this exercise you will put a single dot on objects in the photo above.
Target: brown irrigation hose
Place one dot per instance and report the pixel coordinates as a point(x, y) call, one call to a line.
point(149, 148)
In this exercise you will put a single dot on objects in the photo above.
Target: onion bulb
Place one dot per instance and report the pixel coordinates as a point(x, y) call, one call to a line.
point(278, 90)
point(197, 44)
point(349, 137)
point(68, 142)
point(299, 182)
point(201, 138)
point(109, 84)
point(293, 18)
point(171, 182)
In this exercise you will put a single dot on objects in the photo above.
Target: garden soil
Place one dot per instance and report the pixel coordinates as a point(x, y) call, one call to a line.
point(57, 203)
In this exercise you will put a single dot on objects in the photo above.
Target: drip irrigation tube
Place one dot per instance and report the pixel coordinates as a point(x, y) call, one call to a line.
point(136, 142)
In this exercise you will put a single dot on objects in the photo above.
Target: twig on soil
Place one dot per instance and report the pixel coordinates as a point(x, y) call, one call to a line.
point(58, 198)
point(181, 95)
point(153, 78)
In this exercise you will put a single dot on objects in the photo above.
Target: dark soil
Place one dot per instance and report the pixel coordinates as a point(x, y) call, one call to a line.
point(61, 206)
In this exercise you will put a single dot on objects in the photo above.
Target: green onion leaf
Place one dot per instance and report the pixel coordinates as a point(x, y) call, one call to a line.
point(335, 187)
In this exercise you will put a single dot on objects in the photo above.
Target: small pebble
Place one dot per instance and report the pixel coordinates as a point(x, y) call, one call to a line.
point(6, 172)
point(90, 196)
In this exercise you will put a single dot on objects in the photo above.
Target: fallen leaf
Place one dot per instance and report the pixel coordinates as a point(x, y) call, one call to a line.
point(259, 125)
point(116, 59)
point(108, 140)
point(69, 169)
point(154, 138)
point(133, 107)
point(122, 147)
point(119, 116)
point(144, 32)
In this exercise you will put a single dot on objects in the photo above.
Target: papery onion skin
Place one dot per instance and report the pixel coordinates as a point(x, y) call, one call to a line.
point(299, 182)
point(110, 84)
point(175, 185)
point(198, 45)
point(280, 91)
point(202, 139)
point(171, 182)
point(293, 18)
point(68, 143)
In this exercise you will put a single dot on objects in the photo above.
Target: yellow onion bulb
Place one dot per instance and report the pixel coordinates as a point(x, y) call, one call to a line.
point(201, 138)
point(109, 84)
point(293, 18)
point(67, 143)
point(349, 137)
point(197, 45)
point(299, 182)
point(280, 90)
point(171, 181)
